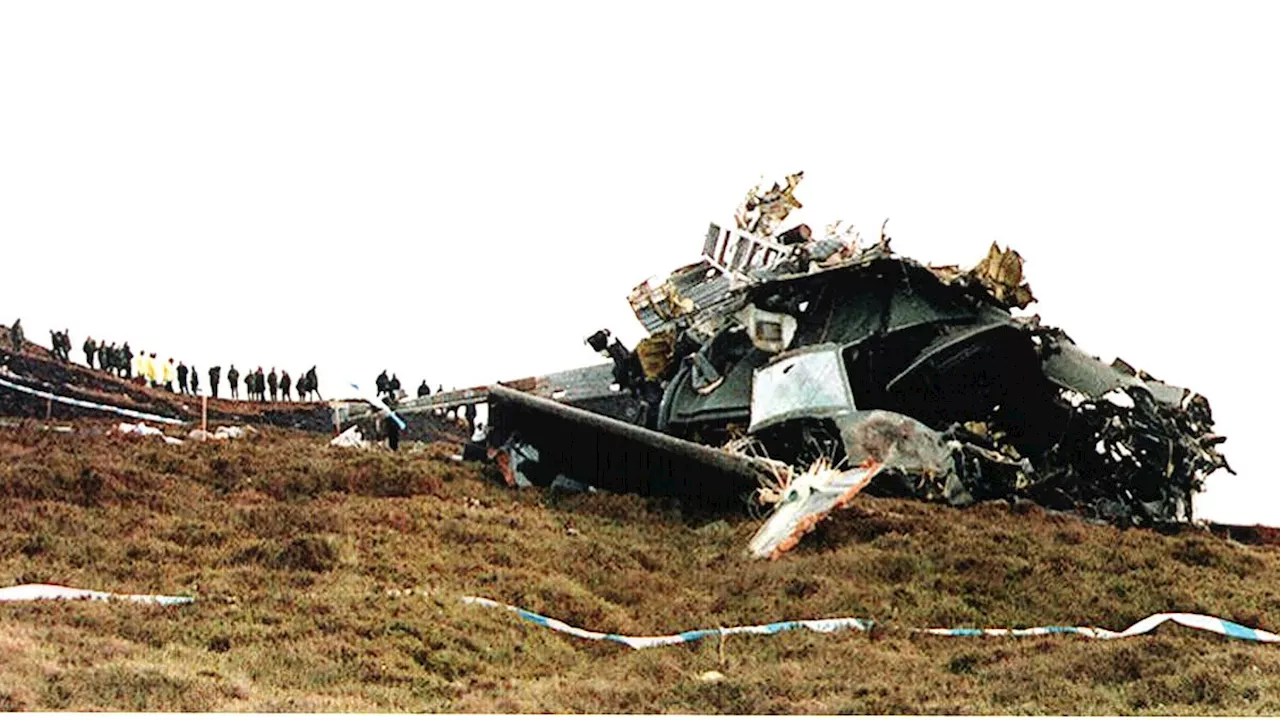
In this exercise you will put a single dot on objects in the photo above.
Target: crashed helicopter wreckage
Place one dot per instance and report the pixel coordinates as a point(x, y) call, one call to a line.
point(796, 371)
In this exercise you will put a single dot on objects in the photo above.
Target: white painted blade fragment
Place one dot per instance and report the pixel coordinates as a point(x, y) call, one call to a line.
point(806, 500)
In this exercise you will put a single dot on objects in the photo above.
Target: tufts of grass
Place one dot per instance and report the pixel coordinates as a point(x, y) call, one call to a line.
point(327, 580)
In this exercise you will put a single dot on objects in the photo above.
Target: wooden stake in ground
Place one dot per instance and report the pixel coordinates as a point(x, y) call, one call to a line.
point(48, 408)
point(204, 414)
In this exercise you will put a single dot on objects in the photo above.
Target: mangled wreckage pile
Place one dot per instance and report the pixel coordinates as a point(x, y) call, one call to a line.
point(796, 370)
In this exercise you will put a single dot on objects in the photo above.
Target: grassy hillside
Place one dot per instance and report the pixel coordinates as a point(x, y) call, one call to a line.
point(328, 579)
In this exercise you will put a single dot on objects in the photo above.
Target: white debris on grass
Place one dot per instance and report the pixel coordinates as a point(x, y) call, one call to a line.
point(145, 429)
point(222, 433)
point(350, 437)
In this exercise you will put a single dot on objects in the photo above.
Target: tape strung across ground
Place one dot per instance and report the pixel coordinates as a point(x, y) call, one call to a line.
point(1191, 620)
point(86, 404)
point(637, 643)
point(32, 592)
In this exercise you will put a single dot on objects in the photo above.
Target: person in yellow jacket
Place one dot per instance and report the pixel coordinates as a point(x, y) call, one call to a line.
point(152, 369)
point(140, 364)
point(169, 374)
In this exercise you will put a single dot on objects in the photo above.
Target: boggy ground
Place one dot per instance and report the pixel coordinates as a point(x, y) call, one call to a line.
point(328, 580)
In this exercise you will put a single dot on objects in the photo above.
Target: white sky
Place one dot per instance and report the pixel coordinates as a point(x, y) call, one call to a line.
point(464, 191)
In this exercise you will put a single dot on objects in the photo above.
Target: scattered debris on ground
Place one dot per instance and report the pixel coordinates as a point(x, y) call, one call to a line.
point(146, 430)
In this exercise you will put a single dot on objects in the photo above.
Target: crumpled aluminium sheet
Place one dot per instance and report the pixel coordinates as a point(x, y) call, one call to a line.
point(33, 592)
point(1207, 623)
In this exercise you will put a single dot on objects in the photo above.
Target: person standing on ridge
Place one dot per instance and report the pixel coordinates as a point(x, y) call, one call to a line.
point(273, 384)
point(284, 386)
point(182, 377)
point(16, 336)
point(215, 373)
point(233, 378)
point(195, 381)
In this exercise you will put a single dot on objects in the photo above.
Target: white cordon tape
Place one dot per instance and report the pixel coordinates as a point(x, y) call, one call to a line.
point(87, 404)
point(638, 643)
point(1146, 625)
point(1199, 622)
point(29, 593)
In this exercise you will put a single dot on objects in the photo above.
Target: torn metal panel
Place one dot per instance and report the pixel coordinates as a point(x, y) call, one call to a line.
point(619, 456)
point(771, 332)
point(657, 354)
point(1073, 369)
point(1000, 272)
point(811, 383)
point(761, 212)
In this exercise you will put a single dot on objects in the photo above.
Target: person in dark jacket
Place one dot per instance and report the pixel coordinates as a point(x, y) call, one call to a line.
point(195, 381)
point(285, 380)
point(182, 377)
point(233, 378)
point(391, 427)
point(215, 373)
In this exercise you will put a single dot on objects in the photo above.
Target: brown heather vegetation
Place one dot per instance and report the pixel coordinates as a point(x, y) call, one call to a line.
point(300, 556)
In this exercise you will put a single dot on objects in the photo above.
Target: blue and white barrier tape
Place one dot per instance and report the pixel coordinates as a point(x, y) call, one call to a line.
point(1199, 622)
point(640, 642)
point(1146, 625)
point(86, 404)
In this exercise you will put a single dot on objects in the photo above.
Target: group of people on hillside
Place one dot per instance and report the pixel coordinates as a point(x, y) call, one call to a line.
point(258, 385)
point(115, 360)
point(60, 344)
point(146, 369)
point(390, 387)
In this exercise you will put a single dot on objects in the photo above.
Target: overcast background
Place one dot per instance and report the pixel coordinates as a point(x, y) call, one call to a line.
point(464, 191)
